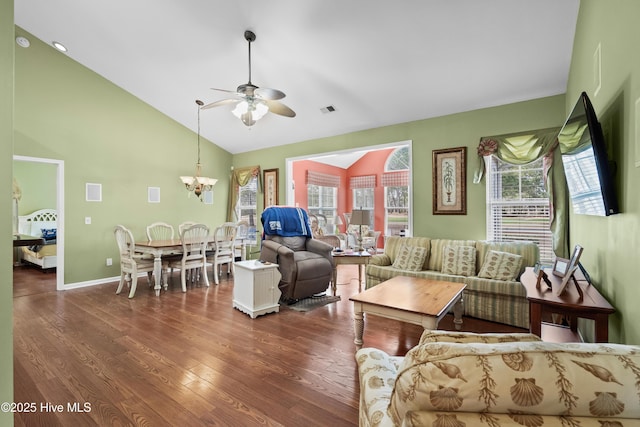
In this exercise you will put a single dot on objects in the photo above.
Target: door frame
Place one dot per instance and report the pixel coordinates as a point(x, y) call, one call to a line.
point(59, 209)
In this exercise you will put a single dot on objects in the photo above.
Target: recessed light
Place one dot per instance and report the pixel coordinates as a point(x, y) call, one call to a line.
point(59, 46)
point(23, 41)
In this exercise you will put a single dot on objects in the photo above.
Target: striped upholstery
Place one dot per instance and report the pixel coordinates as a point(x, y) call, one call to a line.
point(437, 245)
point(393, 243)
point(489, 299)
point(529, 252)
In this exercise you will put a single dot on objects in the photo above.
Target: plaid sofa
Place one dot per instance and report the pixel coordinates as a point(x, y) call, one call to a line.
point(490, 299)
point(464, 379)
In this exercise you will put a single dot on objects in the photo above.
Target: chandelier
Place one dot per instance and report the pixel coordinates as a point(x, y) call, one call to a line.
point(198, 184)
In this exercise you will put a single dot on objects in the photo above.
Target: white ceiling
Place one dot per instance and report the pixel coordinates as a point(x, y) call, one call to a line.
point(379, 63)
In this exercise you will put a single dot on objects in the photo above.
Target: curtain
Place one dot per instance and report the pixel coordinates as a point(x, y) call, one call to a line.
point(525, 147)
point(239, 178)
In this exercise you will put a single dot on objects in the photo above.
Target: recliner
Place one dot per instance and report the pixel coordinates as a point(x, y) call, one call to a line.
point(306, 264)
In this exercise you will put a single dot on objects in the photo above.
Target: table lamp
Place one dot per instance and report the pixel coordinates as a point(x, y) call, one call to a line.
point(360, 217)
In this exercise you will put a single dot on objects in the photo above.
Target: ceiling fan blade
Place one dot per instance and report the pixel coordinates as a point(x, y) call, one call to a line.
point(224, 90)
point(279, 108)
point(221, 102)
point(269, 94)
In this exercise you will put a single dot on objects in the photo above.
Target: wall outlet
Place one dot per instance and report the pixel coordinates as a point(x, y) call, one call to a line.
point(87, 220)
point(109, 262)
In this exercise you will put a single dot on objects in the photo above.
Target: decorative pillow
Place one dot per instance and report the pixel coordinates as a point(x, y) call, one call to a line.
point(459, 260)
point(410, 258)
point(501, 266)
point(49, 233)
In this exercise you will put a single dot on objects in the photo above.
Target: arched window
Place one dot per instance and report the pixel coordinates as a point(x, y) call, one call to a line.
point(395, 181)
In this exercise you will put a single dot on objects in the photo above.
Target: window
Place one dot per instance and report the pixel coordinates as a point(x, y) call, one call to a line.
point(396, 192)
point(322, 200)
point(247, 208)
point(518, 205)
point(363, 198)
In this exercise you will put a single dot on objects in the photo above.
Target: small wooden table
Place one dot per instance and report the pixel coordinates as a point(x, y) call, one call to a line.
point(355, 258)
point(544, 300)
point(409, 299)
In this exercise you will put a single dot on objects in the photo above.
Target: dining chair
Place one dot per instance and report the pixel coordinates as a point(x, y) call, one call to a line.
point(131, 263)
point(162, 231)
point(184, 225)
point(224, 244)
point(242, 235)
point(194, 239)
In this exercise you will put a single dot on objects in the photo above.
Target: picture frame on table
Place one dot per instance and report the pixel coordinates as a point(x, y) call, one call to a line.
point(560, 267)
point(270, 180)
point(574, 262)
point(450, 181)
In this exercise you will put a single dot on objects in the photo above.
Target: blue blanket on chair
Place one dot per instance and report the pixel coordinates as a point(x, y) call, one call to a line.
point(285, 221)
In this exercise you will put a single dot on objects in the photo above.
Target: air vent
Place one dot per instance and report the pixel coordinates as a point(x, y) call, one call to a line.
point(328, 109)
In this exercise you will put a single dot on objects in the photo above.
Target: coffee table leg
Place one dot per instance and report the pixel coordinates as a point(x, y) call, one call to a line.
point(358, 324)
point(458, 309)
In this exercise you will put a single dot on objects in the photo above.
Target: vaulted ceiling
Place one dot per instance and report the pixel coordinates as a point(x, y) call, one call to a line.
point(377, 63)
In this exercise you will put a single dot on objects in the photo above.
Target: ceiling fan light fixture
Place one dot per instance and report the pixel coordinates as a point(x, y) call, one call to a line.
point(250, 111)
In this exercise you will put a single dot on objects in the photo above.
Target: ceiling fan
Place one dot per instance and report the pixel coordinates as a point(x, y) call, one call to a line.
point(253, 102)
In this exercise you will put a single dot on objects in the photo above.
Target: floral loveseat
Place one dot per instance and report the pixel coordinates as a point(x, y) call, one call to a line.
point(458, 379)
point(489, 269)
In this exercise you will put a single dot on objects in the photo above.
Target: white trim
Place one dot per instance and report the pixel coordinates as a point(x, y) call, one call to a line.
point(60, 210)
point(96, 282)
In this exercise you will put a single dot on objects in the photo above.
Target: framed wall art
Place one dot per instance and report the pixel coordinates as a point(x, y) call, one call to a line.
point(450, 181)
point(270, 187)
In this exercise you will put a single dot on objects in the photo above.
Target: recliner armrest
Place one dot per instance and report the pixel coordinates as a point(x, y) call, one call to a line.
point(321, 248)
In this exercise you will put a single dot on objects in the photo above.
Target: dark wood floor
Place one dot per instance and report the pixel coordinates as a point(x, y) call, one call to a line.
point(190, 358)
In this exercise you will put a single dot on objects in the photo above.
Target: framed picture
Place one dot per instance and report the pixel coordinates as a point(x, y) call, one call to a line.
point(270, 187)
point(450, 181)
point(560, 267)
point(571, 268)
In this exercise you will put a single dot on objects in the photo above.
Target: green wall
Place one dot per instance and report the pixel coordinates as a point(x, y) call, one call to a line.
point(6, 251)
point(37, 182)
point(457, 130)
point(611, 244)
point(105, 135)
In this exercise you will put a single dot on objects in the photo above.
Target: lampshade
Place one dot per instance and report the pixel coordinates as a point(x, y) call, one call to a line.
point(360, 217)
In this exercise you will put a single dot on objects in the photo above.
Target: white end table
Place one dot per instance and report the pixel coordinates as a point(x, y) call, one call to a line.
point(255, 288)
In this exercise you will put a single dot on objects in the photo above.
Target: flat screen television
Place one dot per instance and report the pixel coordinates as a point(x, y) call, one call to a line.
point(586, 166)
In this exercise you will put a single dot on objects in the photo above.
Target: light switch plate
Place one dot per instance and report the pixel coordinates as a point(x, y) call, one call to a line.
point(87, 220)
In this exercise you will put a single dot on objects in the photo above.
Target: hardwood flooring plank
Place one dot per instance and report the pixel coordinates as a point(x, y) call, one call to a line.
point(191, 358)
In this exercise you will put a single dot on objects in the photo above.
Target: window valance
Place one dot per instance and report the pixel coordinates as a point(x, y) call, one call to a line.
point(322, 179)
point(364, 181)
point(395, 179)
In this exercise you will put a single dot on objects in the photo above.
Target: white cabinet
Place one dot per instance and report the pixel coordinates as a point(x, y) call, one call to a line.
point(255, 288)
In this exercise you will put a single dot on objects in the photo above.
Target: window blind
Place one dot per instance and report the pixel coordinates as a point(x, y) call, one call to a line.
point(518, 205)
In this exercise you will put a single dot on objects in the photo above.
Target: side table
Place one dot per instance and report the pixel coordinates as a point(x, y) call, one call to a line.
point(355, 258)
point(591, 305)
point(255, 288)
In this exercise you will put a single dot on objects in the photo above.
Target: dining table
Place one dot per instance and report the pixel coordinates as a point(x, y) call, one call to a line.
point(158, 248)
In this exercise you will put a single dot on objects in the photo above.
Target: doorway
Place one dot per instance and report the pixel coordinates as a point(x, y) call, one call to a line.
point(347, 163)
point(59, 206)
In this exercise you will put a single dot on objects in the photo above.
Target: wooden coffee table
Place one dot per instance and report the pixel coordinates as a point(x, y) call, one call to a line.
point(409, 299)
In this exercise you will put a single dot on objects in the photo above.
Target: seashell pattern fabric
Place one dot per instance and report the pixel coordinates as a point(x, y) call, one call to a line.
point(518, 379)
point(486, 380)
point(459, 260)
